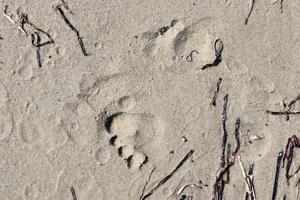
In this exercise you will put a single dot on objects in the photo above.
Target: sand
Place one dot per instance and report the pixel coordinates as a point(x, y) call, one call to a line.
point(100, 124)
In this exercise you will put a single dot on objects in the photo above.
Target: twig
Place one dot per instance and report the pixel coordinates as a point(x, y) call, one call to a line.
point(37, 47)
point(79, 38)
point(214, 99)
point(281, 6)
point(189, 58)
point(165, 179)
point(237, 135)
point(224, 141)
point(42, 31)
point(251, 9)
point(12, 21)
point(287, 109)
point(277, 171)
point(65, 5)
point(250, 193)
point(288, 155)
point(149, 177)
point(73, 193)
point(218, 46)
point(36, 42)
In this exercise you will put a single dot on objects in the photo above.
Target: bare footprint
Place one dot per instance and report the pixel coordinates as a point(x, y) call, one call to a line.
point(130, 132)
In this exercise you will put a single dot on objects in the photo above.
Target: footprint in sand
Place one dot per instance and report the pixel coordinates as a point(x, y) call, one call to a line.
point(179, 39)
point(129, 133)
point(28, 131)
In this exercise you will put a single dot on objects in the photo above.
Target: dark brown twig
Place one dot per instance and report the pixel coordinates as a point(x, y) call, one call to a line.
point(189, 58)
point(79, 38)
point(73, 193)
point(218, 47)
point(288, 156)
point(149, 177)
point(214, 99)
point(166, 178)
point(237, 135)
point(251, 9)
point(287, 109)
point(281, 6)
point(66, 6)
point(225, 134)
point(277, 172)
point(36, 42)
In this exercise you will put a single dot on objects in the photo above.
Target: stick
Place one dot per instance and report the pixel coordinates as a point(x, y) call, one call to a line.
point(277, 171)
point(214, 99)
point(165, 179)
point(73, 193)
point(250, 193)
point(288, 155)
point(224, 119)
point(37, 45)
point(237, 135)
point(251, 9)
point(281, 6)
point(149, 177)
point(66, 6)
point(12, 21)
point(79, 38)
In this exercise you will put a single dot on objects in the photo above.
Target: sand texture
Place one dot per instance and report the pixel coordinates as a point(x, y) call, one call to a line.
point(144, 100)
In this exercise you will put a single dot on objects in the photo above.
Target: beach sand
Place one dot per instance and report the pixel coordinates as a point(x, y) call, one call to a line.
point(132, 117)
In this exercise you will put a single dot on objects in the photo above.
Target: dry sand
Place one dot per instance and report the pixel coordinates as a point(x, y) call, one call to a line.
point(101, 123)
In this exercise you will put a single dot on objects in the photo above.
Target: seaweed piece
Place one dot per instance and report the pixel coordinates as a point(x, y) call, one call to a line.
point(218, 46)
point(214, 99)
point(189, 58)
point(225, 165)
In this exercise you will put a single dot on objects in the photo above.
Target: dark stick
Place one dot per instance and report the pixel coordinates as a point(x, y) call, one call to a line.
point(73, 193)
point(149, 177)
point(37, 47)
point(214, 99)
point(284, 197)
point(251, 9)
point(249, 179)
point(283, 112)
point(237, 135)
point(288, 156)
point(67, 21)
point(281, 6)
point(218, 54)
point(224, 119)
point(165, 179)
point(275, 186)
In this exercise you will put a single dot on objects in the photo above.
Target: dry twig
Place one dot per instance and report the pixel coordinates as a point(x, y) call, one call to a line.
point(166, 178)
